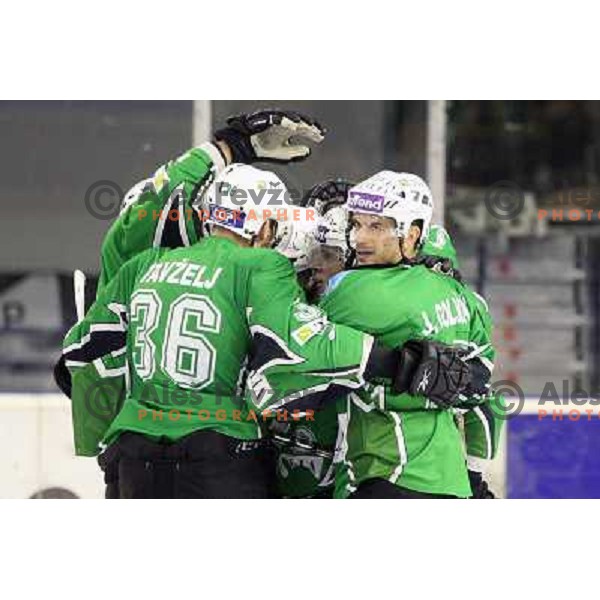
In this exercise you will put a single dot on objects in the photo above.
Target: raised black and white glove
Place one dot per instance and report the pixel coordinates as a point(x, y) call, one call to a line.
point(434, 370)
point(270, 135)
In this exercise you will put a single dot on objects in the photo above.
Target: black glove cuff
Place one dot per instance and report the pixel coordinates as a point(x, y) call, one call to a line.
point(382, 363)
point(410, 358)
point(239, 144)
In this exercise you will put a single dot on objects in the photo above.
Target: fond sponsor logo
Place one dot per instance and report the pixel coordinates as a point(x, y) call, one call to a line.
point(365, 202)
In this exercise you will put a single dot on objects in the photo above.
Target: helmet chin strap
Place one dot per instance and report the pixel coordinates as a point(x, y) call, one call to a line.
point(400, 243)
point(274, 241)
point(416, 247)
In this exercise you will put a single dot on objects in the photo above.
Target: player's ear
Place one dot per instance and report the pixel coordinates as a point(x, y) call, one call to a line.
point(414, 233)
point(409, 243)
point(266, 234)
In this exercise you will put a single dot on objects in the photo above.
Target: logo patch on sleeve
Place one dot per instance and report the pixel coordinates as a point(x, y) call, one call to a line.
point(309, 330)
point(306, 312)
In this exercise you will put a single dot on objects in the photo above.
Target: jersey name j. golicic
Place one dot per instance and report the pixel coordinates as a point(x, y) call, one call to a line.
point(448, 313)
point(182, 273)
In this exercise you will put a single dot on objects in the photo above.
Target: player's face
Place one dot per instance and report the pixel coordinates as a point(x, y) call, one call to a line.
point(324, 262)
point(375, 240)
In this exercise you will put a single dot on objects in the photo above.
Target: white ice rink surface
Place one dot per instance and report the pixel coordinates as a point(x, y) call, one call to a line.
point(37, 453)
point(36, 449)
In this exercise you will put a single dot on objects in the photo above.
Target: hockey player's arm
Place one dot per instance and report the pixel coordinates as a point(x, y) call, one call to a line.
point(296, 351)
point(94, 354)
point(482, 426)
point(144, 221)
point(448, 375)
point(483, 422)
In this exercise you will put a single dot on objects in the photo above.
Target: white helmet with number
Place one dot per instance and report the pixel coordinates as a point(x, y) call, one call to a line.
point(296, 235)
point(403, 197)
point(237, 199)
point(242, 198)
point(332, 228)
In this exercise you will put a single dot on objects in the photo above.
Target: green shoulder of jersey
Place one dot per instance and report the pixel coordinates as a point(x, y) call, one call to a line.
point(162, 210)
point(404, 438)
point(439, 243)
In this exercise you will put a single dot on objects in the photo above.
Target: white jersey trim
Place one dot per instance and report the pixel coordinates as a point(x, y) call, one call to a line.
point(214, 154)
point(486, 428)
point(401, 447)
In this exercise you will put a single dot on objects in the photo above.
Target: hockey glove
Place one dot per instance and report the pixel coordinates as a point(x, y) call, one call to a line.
point(434, 370)
point(270, 135)
point(478, 390)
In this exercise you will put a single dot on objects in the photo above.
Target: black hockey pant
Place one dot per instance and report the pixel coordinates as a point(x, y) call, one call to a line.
point(381, 488)
point(205, 464)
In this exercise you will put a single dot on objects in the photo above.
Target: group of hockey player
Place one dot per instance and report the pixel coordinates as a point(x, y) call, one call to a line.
point(246, 352)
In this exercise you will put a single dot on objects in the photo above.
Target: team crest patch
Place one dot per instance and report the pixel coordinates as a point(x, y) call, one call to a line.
point(305, 312)
point(440, 238)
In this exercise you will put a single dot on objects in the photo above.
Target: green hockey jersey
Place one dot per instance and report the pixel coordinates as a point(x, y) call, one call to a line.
point(162, 211)
point(404, 439)
point(187, 319)
point(439, 243)
point(483, 424)
point(304, 469)
point(159, 212)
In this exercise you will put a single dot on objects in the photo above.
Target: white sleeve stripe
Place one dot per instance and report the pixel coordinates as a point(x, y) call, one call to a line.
point(486, 429)
point(106, 372)
point(292, 357)
point(487, 363)
point(75, 363)
point(367, 347)
point(182, 227)
point(401, 447)
point(482, 300)
point(86, 338)
point(214, 154)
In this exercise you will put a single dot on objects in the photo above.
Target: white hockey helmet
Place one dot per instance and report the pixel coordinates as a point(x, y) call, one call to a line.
point(403, 197)
point(296, 235)
point(332, 228)
point(237, 200)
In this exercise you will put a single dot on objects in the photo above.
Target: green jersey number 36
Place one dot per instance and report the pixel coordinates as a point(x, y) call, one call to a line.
point(186, 355)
